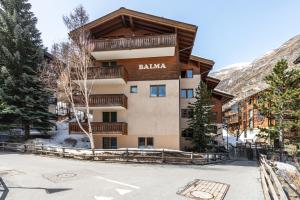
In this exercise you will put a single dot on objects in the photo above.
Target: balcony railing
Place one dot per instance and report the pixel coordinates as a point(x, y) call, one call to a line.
point(107, 72)
point(136, 42)
point(102, 100)
point(101, 127)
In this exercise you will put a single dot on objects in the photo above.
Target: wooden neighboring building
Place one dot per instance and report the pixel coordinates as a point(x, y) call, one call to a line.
point(243, 118)
point(144, 77)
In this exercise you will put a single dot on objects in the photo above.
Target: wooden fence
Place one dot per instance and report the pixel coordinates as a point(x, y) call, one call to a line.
point(120, 155)
point(272, 187)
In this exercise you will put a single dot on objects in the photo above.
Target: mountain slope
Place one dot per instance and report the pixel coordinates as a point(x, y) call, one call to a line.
point(245, 79)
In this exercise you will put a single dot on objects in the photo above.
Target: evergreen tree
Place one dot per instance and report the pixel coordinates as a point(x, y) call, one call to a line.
point(199, 122)
point(281, 102)
point(22, 93)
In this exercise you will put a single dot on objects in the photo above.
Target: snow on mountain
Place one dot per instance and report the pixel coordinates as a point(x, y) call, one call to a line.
point(244, 79)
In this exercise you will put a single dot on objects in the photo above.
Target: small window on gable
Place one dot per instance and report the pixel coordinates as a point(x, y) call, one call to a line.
point(187, 73)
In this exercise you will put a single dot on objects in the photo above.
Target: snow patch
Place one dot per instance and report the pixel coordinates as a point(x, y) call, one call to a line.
point(62, 138)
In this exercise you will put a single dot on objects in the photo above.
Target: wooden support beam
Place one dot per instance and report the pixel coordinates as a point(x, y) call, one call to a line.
point(131, 23)
point(124, 21)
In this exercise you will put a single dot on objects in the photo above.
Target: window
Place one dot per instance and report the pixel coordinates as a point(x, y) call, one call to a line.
point(213, 117)
point(109, 143)
point(109, 117)
point(187, 93)
point(144, 142)
point(187, 133)
point(109, 64)
point(133, 89)
point(251, 119)
point(157, 90)
point(187, 73)
point(187, 113)
point(250, 101)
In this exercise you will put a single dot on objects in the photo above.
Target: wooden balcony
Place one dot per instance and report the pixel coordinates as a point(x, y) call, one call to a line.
point(136, 42)
point(103, 100)
point(110, 128)
point(117, 72)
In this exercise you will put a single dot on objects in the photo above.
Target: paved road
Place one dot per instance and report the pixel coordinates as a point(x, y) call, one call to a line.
point(31, 177)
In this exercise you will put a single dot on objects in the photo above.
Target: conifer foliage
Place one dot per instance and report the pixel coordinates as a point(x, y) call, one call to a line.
point(281, 101)
point(23, 97)
point(200, 120)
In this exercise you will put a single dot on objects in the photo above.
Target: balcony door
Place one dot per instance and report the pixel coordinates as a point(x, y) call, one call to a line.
point(109, 117)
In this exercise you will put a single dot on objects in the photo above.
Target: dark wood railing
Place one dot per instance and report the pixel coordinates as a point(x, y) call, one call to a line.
point(101, 127)
point(103, 100)
point(136, 42)
point(107, 72)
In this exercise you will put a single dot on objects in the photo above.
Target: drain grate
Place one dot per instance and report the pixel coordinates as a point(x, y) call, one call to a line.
point(204, 190)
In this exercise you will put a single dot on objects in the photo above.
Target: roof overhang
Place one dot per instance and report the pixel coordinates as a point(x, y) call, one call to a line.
point(211, 82)
point(205, 65)
point(123, 17)
point(225, 97)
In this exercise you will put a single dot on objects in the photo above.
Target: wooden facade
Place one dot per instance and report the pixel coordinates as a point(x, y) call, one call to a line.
point(244, 117)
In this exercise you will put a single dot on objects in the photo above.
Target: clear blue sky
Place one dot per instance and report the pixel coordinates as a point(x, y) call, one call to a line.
point(229, 31)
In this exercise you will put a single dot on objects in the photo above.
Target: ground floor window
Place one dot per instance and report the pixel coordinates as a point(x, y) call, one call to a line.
point(109, 143)
point(145, 142)
point(187, 133)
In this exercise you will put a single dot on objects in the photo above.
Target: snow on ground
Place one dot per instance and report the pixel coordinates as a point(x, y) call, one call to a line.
point(286, 167)
point(62, 138)
point(231, 139)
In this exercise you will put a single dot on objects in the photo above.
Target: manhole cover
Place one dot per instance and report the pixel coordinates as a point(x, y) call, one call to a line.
point(66, 175)
point(204, 190)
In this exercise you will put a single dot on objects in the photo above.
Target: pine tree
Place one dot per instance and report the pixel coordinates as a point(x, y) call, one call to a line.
point(281, 101)
point(22, 93)
point(200, 120)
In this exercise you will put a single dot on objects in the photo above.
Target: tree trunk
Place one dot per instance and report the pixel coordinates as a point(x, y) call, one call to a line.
point(281, 144)
point(92, 141)
point(27, 130)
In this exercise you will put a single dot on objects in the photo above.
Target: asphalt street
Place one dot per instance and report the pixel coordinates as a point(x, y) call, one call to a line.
point(31, 177)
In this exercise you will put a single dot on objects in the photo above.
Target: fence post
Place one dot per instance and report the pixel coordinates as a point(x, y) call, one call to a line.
point(126, 154)
point(93, 154)
point(2, 146)
point(207, 157)
point(192, 157)
point(42, 149)
point(25, 148)
point(163, 156)
point(63, 152)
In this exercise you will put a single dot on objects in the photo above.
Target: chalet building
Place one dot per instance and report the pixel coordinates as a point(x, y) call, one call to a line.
point(144, 77)
point(243, 118)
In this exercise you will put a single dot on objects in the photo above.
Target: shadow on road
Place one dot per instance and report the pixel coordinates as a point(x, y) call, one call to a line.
point(47, 190)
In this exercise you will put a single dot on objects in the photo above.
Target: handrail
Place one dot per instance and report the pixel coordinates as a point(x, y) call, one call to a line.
point(107, 72)
point(102, 100)
point(272, 187)
point(135, 42)
point(101, 127)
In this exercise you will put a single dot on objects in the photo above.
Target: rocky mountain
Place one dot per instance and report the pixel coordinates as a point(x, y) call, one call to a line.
point(244, 79)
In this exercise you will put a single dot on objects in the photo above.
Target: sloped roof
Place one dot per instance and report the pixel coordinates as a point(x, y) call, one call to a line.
point(123, 17)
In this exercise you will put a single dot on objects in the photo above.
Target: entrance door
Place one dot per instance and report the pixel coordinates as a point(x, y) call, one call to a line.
point(109, 143)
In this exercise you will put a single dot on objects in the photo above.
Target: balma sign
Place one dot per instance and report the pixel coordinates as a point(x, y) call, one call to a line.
point(152, 66)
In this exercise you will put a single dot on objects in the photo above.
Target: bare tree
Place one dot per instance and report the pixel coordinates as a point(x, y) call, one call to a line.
point(72, 60)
